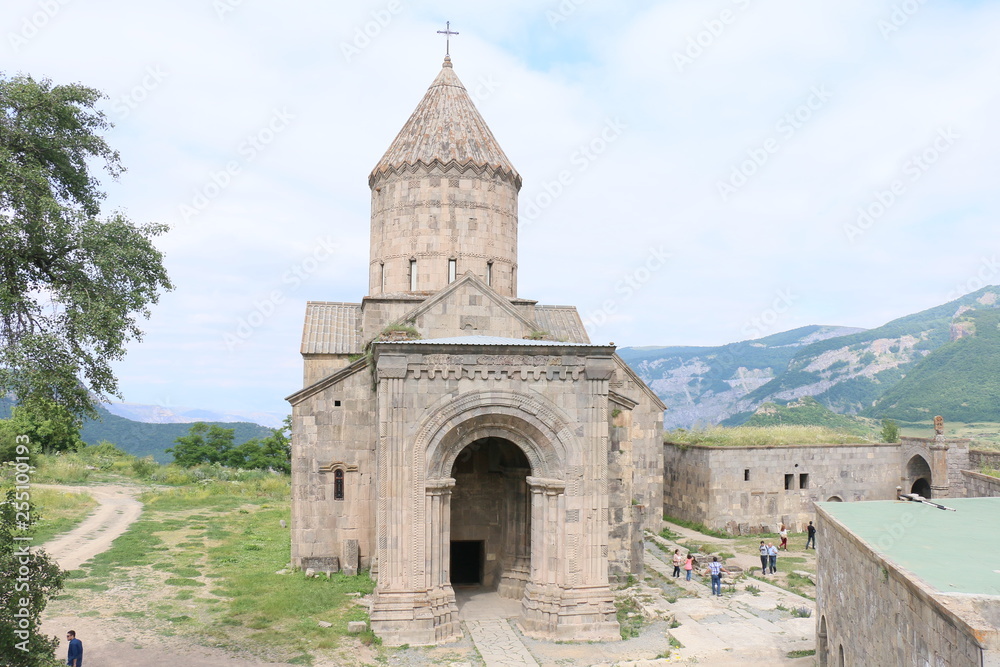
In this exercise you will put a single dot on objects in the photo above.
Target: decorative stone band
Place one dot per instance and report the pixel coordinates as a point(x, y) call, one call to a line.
point(439, 485)
point(330, 467)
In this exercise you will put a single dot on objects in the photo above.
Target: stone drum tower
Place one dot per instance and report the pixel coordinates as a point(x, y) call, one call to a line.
point(453, 434)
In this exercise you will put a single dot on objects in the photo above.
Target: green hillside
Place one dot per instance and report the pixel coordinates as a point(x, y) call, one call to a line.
point(960, 380)
point(851, 373)
point(142, 439)
point(806, 411)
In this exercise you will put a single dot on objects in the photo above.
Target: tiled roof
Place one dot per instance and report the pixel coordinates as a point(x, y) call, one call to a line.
point(332, 328)
point(446, 127)
point(563, 322)
point(492, 340)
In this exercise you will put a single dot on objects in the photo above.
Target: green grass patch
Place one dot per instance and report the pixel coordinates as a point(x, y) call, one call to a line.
point(60, 512)
point(629, 617)
point(762, 436)
point(698, 527)
point(801, 653)
point(131, 614)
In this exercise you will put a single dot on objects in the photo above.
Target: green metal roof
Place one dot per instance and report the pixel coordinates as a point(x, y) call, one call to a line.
point(952, 552)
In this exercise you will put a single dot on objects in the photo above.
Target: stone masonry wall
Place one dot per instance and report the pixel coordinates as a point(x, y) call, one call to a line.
point(978, 485)
point(979, 458)
point(325, 435)
point(876, 614)
point(434, 215)
point(745, 490)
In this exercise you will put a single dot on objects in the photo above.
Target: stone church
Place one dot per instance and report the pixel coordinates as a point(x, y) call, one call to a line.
point(453, 433)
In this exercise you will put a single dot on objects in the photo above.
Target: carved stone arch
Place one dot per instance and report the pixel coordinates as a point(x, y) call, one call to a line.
point(536, 426)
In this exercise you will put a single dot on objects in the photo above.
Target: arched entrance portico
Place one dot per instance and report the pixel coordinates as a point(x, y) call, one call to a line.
point(918, 474)
point(558, 564)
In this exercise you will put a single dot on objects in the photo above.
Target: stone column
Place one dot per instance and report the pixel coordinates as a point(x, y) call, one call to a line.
point(939, 467)
point(517, 537)
point(403, 611)
point(438, 559)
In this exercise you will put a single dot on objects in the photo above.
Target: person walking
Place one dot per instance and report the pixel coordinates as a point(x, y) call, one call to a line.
point(678, 561)
point(772, 557)
point(689, 565)
point(763, 558)
point(811, 539)
point(74, 658)
point(783, 533)
point(715, 569)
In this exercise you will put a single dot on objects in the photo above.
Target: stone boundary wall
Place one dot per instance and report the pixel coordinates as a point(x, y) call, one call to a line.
point(749, 490)
point(979, 458)
point(978, 485)
point(872, 611)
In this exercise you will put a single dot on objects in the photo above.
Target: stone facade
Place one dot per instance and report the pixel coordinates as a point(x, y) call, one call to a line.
point(451, 433)
point(744, 490)
point(871, 611)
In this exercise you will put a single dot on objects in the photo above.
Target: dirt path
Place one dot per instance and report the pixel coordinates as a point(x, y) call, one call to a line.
point(116, 511)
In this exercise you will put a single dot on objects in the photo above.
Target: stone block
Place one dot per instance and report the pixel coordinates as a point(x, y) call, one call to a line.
point(356, 627)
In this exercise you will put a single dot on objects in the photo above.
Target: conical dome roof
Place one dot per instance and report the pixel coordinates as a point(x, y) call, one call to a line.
point(446, 128)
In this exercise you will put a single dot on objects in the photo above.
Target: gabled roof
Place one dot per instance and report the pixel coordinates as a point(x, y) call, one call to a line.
point(332, 328)
point(469, 278)
point(446, 128)
point(490, 340)
point(563, 322)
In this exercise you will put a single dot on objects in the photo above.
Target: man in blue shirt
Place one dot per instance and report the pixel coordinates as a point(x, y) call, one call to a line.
point(75, 656)
point(715, 569)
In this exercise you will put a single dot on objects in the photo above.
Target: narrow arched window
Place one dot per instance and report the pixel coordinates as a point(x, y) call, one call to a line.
point(338, 484)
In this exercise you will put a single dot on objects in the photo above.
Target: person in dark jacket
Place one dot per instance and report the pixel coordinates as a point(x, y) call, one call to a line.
point(75, 656)
point(811, 539)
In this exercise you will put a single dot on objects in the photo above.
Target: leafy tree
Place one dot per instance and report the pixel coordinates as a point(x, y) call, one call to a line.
point(71, 285)
point(49, 427)
point(210, 443)
point(204, 443)
point(27, 581)
point(272, 453)
point(890, 431)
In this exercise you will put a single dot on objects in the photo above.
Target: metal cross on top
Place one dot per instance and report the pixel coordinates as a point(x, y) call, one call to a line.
point(447, 32)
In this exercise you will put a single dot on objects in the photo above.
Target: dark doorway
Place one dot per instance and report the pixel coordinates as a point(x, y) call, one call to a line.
point(467, 563)
point(921, 487)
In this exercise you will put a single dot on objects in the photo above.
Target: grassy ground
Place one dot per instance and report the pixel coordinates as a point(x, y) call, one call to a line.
point(60, 512)
point(203, 562)
point(757, 436)
point(984, 435)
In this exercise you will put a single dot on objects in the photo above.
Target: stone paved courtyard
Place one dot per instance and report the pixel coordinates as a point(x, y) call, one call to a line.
point(684, 625)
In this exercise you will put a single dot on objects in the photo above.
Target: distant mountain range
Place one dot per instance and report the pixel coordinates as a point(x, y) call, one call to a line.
point(944, 360)
point(158, 414)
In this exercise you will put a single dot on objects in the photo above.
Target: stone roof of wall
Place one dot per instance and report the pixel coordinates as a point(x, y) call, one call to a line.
point(332, 328)
point(563, 322)
point(446, 129)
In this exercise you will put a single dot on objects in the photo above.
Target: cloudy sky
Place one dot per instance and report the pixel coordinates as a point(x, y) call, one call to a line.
point(695, 172)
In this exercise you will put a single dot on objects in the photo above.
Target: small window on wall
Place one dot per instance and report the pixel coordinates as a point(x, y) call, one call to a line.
point(489, 273)
point(746, 475)
point(452, 270)
point(338, 484)
point(381, 268)
point(804, 480)
point(789, 482)
point(413, 275)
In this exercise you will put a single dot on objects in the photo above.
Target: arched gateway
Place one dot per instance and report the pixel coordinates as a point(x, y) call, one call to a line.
point(451, 431)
